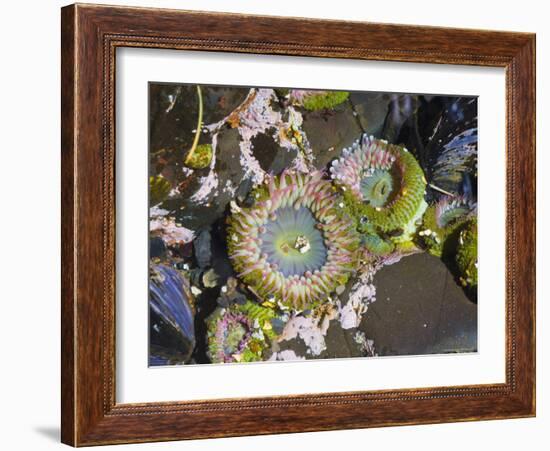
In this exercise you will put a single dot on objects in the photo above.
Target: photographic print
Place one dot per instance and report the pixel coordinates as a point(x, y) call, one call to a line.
point(296, 224)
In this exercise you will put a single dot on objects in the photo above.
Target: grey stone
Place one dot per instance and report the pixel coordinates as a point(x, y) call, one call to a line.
point(419, 309)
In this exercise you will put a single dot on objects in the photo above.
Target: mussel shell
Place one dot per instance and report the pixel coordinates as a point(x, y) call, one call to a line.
point(171, 319)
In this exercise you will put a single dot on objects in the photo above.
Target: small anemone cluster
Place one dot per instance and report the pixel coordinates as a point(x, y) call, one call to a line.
point(300, 235)
point(442, 222)
point(239, 333)
point(449, 231)
point(383, 187)
point(295, 244)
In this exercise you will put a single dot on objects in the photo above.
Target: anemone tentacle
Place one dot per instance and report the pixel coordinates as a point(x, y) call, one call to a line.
point(300, 247)
point(443, 220)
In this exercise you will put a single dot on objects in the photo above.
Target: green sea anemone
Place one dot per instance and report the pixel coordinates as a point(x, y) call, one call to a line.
point(442, 221)
point(228, 334)
point(159, 188)
point(466, 254)
point(240, 333)
point(295, 244)
point(383, 187)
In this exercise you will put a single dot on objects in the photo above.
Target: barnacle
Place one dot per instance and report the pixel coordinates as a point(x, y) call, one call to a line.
point(295, 244)
point(466, 254)
point(383, 187)
point(441, 223)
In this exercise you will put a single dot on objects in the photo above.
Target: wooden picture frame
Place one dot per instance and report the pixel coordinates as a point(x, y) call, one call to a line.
point(90, 37)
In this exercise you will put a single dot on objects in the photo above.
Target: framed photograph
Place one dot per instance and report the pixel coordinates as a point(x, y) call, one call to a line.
point(266, 230)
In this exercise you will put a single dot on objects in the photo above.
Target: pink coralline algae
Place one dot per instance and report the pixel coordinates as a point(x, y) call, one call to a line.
point(166, 228)
point(362, 294)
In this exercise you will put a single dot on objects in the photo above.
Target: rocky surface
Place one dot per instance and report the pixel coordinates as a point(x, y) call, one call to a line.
point(420, 310)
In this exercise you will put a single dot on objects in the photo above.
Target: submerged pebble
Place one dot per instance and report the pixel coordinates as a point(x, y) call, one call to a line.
point(203, 249)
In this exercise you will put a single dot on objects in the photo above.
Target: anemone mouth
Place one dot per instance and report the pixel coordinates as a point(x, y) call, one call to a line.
point(378, 187)
point(385, 182)
point(295, 244)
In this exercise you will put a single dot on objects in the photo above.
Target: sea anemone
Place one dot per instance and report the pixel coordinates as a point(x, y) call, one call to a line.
point(466, 254)
point(296, 244)
point(383, 186)
point(228, 335)
point(442, 221)
point(240, 333)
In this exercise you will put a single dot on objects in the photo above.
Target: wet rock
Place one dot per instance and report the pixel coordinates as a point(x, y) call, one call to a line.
point(203, 195)
point(196, 208)
point(243, 190)
point(239, 298)
point(220, 259)
point(272, 157)
point(230, 294)
point(223, 301)
point(371, 109)
point(420, 310)
point(173, 119)
point(219, 102)
point(329, 132)
point(278, 325)
point(210, 278)
point(186, 250)
point(202, 246)
point(157, 248)
point(337, 344)
point(401, 109)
